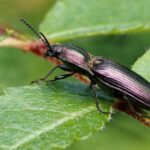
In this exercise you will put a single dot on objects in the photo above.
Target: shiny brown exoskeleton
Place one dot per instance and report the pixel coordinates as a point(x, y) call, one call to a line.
point(118, 80)
point(123, 82)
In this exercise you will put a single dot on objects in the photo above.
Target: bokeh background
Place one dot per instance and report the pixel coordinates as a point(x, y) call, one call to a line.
point(19, 68)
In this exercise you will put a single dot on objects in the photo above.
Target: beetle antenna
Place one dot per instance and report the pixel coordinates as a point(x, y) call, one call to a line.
point(43, 38)
point(39, 35)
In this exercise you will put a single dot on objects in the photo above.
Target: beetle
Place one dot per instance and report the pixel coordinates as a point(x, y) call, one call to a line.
point(111, 76)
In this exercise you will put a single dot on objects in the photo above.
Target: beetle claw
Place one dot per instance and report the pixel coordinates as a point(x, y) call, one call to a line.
point(36, 81)
point(105, 112)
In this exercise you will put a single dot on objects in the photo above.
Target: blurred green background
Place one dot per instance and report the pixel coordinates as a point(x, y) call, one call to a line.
point(19, 68)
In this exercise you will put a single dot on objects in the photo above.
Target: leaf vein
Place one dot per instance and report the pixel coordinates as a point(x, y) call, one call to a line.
point(52, 126)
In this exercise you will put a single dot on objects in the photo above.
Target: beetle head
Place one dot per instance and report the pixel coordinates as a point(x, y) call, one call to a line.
point(54, 50)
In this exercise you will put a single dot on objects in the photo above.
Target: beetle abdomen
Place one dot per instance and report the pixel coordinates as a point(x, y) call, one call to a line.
point(122, 79)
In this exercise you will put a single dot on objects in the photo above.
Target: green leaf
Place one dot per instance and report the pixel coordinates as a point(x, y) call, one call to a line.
point(44, 117)
point(142, 66)
point(70, 19)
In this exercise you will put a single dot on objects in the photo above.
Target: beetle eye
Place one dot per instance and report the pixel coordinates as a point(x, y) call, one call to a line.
point(57, 53)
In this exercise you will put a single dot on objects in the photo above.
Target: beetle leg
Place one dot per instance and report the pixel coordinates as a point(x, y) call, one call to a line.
point(143, 113)
point(133, 109)
point(62, 66)
point(59, 77)
point(96, 100)
point(46, 76)
point(138, 111)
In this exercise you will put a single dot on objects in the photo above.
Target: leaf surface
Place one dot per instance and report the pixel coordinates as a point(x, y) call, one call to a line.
point(44, 117)
point(71, 19)
point(142, 66)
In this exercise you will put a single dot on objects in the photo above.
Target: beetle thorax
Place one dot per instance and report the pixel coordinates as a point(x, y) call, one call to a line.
point(94, 61)
point(57, 49)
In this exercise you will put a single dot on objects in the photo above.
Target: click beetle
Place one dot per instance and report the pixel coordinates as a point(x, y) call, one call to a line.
point(111, 76)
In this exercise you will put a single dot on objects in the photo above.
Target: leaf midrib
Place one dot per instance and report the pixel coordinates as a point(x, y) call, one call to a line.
point(52, 126)
point(92, 31)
